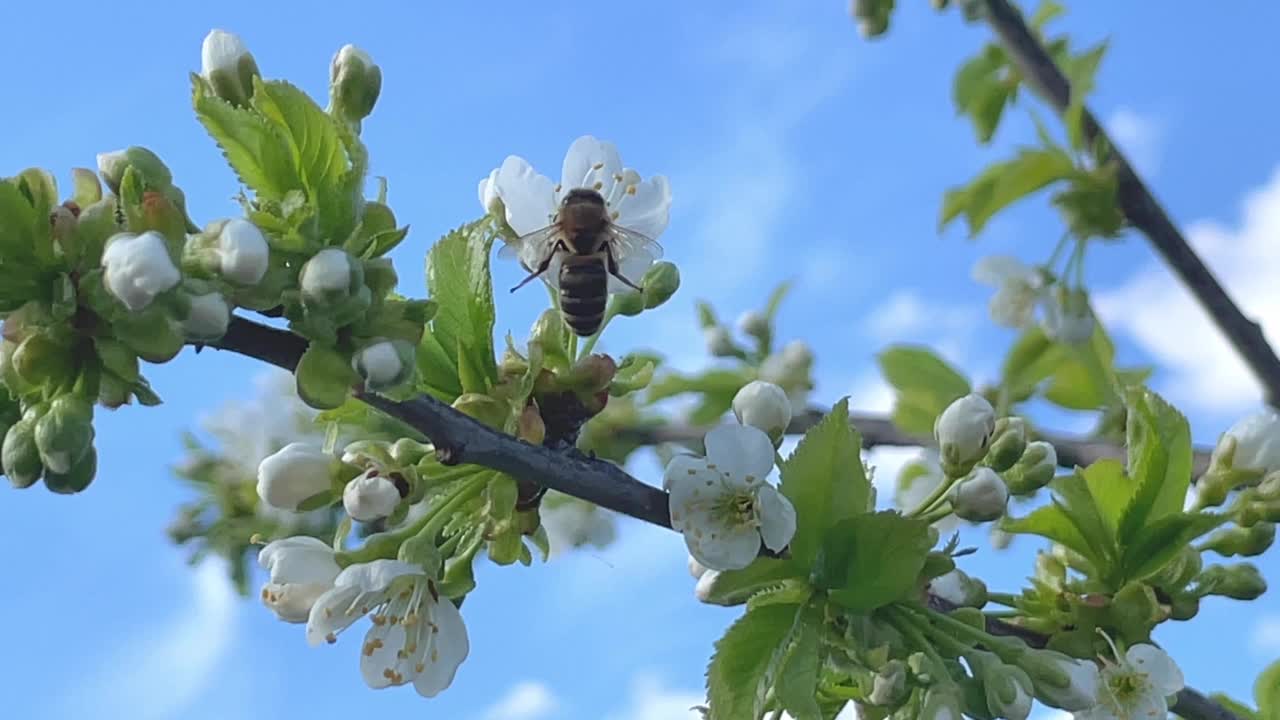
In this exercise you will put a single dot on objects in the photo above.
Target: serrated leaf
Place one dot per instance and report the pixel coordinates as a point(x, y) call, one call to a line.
point(1158, 543)
point(734, 587)
point(797, 684)
point(1072, 496)
point(987, 108)
point(1158, 439)
point(17, 223)
point(872, 560)
point(975, 75)
point(1110, 489)
point(255, 148)
point(1030, 360)
point(1082, 380)
point(458, 278)
point(1052, 523)
point(824, 479)
point(1002, 184)
point(926, 385)
point(746, 661)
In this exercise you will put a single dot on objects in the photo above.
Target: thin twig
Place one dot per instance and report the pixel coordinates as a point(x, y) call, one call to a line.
point(1138, 204)
point(460, 439)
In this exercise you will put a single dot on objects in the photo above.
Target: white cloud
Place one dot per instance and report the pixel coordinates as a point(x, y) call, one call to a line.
point(906, 316)
point(526, 701)
point(871, 394)
point(1139, 136)
point(168, 664)
point(1266, 635)
point(649, 700)
point(1161, 315)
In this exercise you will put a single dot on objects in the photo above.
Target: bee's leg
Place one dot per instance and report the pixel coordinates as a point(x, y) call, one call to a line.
point(542, 267)
point(614, 271)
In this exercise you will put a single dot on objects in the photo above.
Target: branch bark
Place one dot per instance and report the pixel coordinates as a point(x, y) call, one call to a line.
point(1139, 205)
point(460, 439)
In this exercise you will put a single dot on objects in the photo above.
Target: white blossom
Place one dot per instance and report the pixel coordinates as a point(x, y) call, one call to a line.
point(1257, 443)
point(417, 636)
point(981, 497)
point(765, 406)
point(722, 503)
point(696, 569)
point(959, 589)
point(532, 200)
point(136, 268)
point(1019, 288)
point(1135, 686)
point(301, 569)
point(381, 364)
point(208, 318)
point(292, 474)
point(719, 342)
point(345, 56)
point(369, 496)
point(1067, 317)
point(964, 430)
point(488, 192)
point(326, 274)
point(753, 323)
point(242, 252)
point(221, 51)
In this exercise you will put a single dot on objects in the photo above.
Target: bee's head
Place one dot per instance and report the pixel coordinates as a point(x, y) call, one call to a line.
point(583, 197)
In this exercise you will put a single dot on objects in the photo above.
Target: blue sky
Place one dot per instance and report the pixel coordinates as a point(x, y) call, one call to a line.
point(795, 151)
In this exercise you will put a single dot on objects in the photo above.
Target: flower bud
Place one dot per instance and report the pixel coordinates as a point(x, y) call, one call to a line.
point(1034, 470)
point(660, 282)
point(40, 360)
point(764, 406)
point(370, 496)
point(1061, 681)
point(65, 433)
point(384, 364)
point(1241, 581)
point(208, 318)
point(889, 686)
point(1179, 571)
point(959, 589)
point(719, 342)
point(754, 323)
point(323, 377)
point(1008, 443)
point(487, 410)
point(301, 570)
point(136, 268)
point(1134, 610)
point(1067, 316)
point(1009, 689)
point(19, 455)
point(153, 333)
point(963, 432)
point(330, 277)
point(981, 497)
point(354, 84)
point(1184, 606)
point(77, 478)
point(635, 373)
point(592, 373)
point(490, 200)
point(1245, 542)
point(940, 704)
point(294, 473)
point(1252, 445)
point(243, 253)
point(228, 66)
point(628, 304)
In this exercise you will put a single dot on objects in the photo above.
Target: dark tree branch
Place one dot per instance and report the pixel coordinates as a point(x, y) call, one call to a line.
point(460, 439)
point(1138, 204)
point(877, 430)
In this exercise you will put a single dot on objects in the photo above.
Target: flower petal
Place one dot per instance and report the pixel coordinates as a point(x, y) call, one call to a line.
point(293, 602)
point(722, 548)
point(381, 663)
point(590, 163)
point(1158, 666)
point(632, 267)
point(376, 576)
point(530, 198)
point(777, 518)
point(299, 559)
point(1149, 707)
point(333, 612)
point(448, 649)
point(740, 451)
point(647, 209)
point(693, 488)
point(997, 270)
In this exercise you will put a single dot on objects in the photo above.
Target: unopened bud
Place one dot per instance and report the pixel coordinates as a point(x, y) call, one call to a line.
point(41, 360)
point(764, 406)
point(1034, 470)
point(628, 304)
point(754, 323)
point(19, 455)
point(1241, 581)
point(489, 198)
point(137, 268)
point(719, 342)
point(1008, 443)
point(1251, 446)
point(294, 473)
point(384, 364)
point(77, 478)
point(548, 331)
point(323, 377)
point(330, 277)
point(228, 66)
point(1062, 681)
point(981, 497)
point(370, 496)
point(660, 282)
point(1245, 542)
point(65, 433)
point(354, 84)
point(963, 432)
point(959, 589)
point(209, 317)
point(243, 254)
point(1184, 606)
point(889, 687)
point(1134, 610)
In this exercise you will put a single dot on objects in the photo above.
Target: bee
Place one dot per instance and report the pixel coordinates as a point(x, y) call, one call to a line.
point(589, 247)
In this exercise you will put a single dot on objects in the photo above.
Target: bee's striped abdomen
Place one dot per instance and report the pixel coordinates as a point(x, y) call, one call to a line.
point(584, 290)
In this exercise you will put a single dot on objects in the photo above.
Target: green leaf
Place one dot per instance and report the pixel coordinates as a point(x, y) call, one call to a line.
point(256, 150)
point(875, 559)
point(1071, 494)
point(775, 301)
point(1243, 711)
point(709, 382)
point(1158, 439)
point(1051, 522)
point(1082, 380)
point(746, 661)
point(1110, 489)
point(1158, 542)
point(458, 278)
point(1046, 12)
point(734, 587)
point(1029, 361)
point(824, 480)
point(987, 109)
point(1266, 692)
point(926, 385)
point(797, 684)
point(1002, 184)
point(17, 226)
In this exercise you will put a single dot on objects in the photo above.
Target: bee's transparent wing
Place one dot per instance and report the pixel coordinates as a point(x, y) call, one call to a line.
point(537, 244)
point(633, 246)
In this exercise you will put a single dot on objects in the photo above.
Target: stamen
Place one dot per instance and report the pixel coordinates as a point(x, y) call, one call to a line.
point(631, 189)
point(598, 166)
point(597, 186)
point(331, 638)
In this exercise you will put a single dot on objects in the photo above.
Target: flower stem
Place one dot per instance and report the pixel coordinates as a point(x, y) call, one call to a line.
point(1057, 250)
point(934, 497)
point(938, 513)
point(907, 624)
point(1006, 599)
